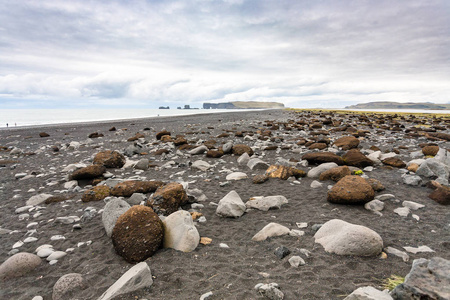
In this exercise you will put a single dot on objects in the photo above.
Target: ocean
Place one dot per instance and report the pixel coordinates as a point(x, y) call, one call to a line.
point(36, 117)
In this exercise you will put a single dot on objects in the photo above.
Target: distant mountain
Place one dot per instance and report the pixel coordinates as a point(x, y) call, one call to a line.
point(397, 105)
point(243, 105)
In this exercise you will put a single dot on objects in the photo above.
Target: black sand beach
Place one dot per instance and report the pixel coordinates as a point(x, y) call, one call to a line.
point(229, 273)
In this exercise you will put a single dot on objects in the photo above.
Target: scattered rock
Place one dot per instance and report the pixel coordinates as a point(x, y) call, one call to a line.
point(68, 286)
point(441, 195)
point(18, 265)
point(296, 261)
point(355, 158)
point(281, 252)
point(236, 176)
point(240, 149)
point(258, 179)
point(129, 187)
point(368, 293)
point(109, 159)
point(279, 171)
point(343, 238)
point(394, 162)
point(112, 211)
point(44, 134)
point(231, 206)
point(335, 174)
point(270, 230)
point(168, 198)
point(347, 142)
point(201, 165)
point(38, 199)
point(351, 189)
point(162, 133)
point(89, 172)
point(266, 203)
point(430, 150)
point(257, 164)
point(323, 157)
point(270, 291)
point(180, 232)
point(96, 193)
point(138, 234)
point(317, 171)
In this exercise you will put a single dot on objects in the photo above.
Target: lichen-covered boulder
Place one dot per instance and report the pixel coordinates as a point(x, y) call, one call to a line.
point(96, 193)
point(129, 187)
point(168, 198)
point(89, 172)
point(351, 189)
point(335, 174)
point(138, 234)
point(317, 158)
point(109, 159)
point(240, 149)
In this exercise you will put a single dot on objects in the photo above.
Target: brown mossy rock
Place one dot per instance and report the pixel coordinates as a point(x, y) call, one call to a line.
point(318, 158)
point(138, 234)
point(95, 135)
point(112, 129)
point(96, 193)
point(351, 189)
point(240, 149)
point(319, 146)
point(394, 162)
point(161, 152)
point(56, 199)
point(109, 159)
point(413, 167)
point(297, 173)
point(186, 147)
point(279, 171)
point(179, 141)
point(166, 139)
point(430, 150)
point(438, 135)
point(347, 142)
point(335, 174)
point(376, 184)
point(89, 172)
point(214, 153)
point(258, 179)
point(162, 133)
point(355, 158)
point(44, 134)
point(136, 137)
point(168, 198)
point(129, 187)
point(441, 195)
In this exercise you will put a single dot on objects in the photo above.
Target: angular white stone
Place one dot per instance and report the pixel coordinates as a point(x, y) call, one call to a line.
point(38, 199)
point(416, 250)
point(401, 254)
point(402, 211)
point(412, 205)
point(266, 203)
point(180, 232)
point(201, 165)
point(315, 172)
point(270, 230)
point(138, 277)
point(236, 176)
point(296, 261)
point(56, 255)
point(368, 293)
point(231, 206)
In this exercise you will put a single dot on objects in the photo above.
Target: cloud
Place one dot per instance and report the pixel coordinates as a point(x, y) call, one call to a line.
point(150, 52)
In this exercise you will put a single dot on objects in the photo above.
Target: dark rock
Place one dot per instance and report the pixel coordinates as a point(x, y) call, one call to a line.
point(161, 151)
point(162, 133)
point(179, 141)
point(351, 189)
point(214, 153)
point(281, 252)
point(112, 129)
point(109, 159)
point(136, 137)
point(319, 146)
point(441, 195)
point(138, 234)
point(297, 173)
point(89, 172)
point(347, 142)
point(355, 158)
point(95, 135)
point(96, 193)
point(430, 150)
point(128, 188)
point(428, 279)
point(376, 184)
point(323, 157)
point(56, 199)
point(394, 162)
point(240, 149)
point(168, 198)
point(44, 134)
point(335, 174)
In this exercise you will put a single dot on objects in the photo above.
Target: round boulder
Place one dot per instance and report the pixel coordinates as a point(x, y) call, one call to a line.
point(67, 286)
point(138, 234)
point(168, 198)
point(430, 150)
point(343, 238)
point(351, 189)
point(18, 265)
point(240, 149)
point(109, 159)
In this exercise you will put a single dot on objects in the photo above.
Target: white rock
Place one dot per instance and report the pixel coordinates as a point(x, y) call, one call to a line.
point(231, 205)
point(57, 238)
point(38, 199)
point(138, 277)
point(20, 175)
point(30, 239)
point(416, 250)
point(316, 184)
point(23, 209)
point(206, 295)
point(296, 261)
point(401, 254)
point(412, 205)
point(112, 211)
point(37, 298)
point(199, 150)
point(343, 238)
point(270, 291)
point(70, 184)
point(385, 197)
point(413, 180)
point(56, 255)
point(296, 233)
point(236, 176)
point(180, 232)
point(45, 246)
point(270, 230)
point(374, 205)
point(257, 164)
point(243, 159)
point(201, 165)
point(223, 245)
point(315, 172)
point(266, 203)
point(45, 252)
point(368, 169)
point(402, 211)
point(302, 225)
point(17, 245)
point(368, 293)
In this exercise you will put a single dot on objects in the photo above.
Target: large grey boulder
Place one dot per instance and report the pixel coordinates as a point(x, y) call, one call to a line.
point(231, 206)
point(18, 265)
point(136, 278)
point(180, 232)
point(368, 293)
point(243, 159)
point(343, 238)
point(315, 172)
point(270, 230)
point(434, 167)
point(67, 286)
point(112, 211)
point(428, 279)
point(266, 203)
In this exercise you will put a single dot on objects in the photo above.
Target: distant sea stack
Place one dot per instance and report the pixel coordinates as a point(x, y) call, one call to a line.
point(397, 105)
point(242, 105)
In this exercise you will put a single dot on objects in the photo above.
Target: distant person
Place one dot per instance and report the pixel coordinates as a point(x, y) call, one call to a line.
point(6, 124)
point(15, 124)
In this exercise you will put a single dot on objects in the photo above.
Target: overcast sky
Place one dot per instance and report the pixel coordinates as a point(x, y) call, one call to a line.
point(304, 53)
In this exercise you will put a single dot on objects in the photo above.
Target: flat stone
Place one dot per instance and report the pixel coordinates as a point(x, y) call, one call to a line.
point(396, 252)
point(266, 203)
point(368, 293)
point(236, 176)
point(402, 211)
point(270, 230)
point(419, 249)
point(412, 205)
point(38, 199)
